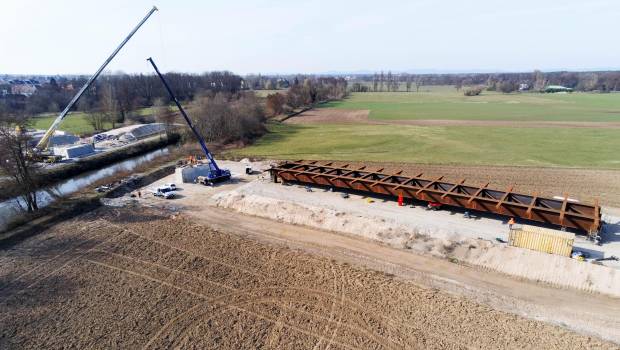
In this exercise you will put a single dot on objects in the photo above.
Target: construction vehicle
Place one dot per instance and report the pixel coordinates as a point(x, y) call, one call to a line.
point(215, 174)
point(41, 152)
point(203, 181)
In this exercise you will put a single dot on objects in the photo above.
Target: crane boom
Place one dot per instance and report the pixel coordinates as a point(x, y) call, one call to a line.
point(43, 143)
point(203, 145)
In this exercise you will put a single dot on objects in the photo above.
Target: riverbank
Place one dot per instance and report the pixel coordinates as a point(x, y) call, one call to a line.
point(81, 202)
point(52, 175)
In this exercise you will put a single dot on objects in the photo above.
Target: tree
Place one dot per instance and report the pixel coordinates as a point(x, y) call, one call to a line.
point(539, 80)
point(408, 82)
point(474, 91)
point(226, 118)
point(13, 160)
point(508, 86)
point(418, 83)
point(275, 104)
point(163, 114)
point(108, 106)
point(375, 82)
point(97, 119)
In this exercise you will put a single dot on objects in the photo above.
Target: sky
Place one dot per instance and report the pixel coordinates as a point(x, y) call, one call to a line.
point(293, 36)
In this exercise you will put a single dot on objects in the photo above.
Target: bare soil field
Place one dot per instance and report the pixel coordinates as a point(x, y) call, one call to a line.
point(332, 115)
point(354, 116)
point(129, 278)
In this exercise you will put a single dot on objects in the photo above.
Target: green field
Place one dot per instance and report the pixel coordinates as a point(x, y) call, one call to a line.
point(565, 147)
point(444, 102)
point(76, 122)
point(483, 145)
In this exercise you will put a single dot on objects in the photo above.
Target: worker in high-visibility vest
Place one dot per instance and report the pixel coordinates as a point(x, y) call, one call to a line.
point(510, 223)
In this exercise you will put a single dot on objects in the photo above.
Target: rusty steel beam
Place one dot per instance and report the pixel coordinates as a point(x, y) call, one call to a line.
point(562, 213)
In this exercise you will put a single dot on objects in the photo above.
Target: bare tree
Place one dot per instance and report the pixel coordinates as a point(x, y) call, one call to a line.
point(108, 106)
point(275, 104)
point(375, 82)
point(163, 114)
point(408, 82)
point(418, 83)
point(229, 118)
point(97, 119)
point(539, 80)
point(459, 85)
point(13, 160)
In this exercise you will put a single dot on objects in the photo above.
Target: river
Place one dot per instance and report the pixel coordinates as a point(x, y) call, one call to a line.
point(12, 208)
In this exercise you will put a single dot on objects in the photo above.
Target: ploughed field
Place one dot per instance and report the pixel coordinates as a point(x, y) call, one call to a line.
point(130, 278)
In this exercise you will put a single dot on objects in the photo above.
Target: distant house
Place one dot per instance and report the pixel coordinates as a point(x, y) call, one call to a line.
point(524, 87)
point(557, 88)
point(283, 83)
point(23, 87)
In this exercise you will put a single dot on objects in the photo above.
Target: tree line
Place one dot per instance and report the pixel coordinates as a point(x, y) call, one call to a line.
point(604, 81)
point(306, 92)
point(124, 92)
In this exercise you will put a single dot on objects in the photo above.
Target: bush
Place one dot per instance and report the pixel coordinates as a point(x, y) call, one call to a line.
point(475, 91)
point(226, 117)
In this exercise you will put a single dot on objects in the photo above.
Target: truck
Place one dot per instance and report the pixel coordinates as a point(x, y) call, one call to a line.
point(165, 191)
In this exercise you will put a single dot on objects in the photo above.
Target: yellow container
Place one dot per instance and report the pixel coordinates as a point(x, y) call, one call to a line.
point(542, 239)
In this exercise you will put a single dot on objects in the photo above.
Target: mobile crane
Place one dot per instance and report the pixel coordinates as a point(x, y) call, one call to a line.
point(41, 152)
point(215, 174)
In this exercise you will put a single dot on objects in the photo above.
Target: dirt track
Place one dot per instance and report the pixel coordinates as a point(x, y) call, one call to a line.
point(353, 116)
point(160, 281)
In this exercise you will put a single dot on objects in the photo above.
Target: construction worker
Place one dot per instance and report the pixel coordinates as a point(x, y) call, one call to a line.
point(510, 223)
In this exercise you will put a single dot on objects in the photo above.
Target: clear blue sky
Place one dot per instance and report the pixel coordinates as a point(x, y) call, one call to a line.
point(286, 36)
